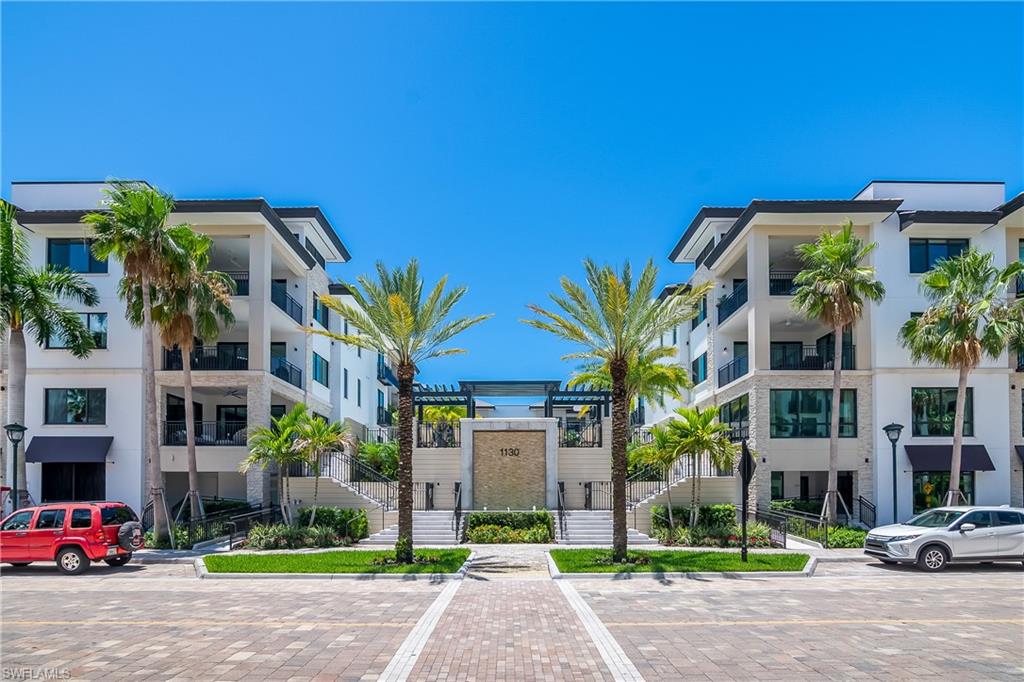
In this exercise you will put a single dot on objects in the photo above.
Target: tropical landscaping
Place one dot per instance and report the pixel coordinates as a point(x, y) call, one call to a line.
point(672, 561)
point(425, 561)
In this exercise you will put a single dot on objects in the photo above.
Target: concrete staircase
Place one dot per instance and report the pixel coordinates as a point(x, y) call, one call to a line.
point(428, 528)
point(595, 528)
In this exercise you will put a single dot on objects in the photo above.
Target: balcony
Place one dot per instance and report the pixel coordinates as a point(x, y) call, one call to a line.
point(579, 433)
point(731, 303)
point(385, 374)
point(1020, 360)
point(441, 434)
point(234, 356)
point(225, 433)
point(733, 370)
point(285, 370)
point(739, 431)
point(384, 416)
point(241, 282)
point(780, 283)
point(786, 356)
point(283, 300)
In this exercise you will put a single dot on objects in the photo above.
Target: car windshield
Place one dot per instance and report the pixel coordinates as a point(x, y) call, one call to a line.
point(115, 516)
point(935, 518)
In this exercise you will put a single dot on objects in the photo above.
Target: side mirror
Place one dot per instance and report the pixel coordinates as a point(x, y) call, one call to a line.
point(965, 527)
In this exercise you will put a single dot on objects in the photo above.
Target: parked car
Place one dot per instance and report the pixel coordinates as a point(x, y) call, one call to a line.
point(947, 535)
point(74, 534)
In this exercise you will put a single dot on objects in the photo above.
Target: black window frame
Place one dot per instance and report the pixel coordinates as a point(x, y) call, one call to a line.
point(699, 369)
point(781, 485)
point(781, 427)
point(49, 345)
point(89, 421)
point(929, 243)
point(321, 370)
point(58, 517)
point(344, 383)
point(950, 400)
point(81, 513)
point(94, 265)
point(359, 392)
point(321, 313)
point(702, 312)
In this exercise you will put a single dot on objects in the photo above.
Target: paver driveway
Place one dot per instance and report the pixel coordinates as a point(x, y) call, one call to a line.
point(852, 620)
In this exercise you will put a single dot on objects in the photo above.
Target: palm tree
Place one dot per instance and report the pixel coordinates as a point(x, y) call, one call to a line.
point(315, 438)
point(613, 323)
point(194, 304)
point(393, 316)
point(833, 288)
point(274, 447)
point(33, 300)
point(698, 434)
point(134, 230)
point(662, 452)
point(969, 317)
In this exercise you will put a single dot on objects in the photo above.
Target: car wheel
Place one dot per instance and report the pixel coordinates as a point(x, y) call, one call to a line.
point(933, 558)
point(72, 561)
point(119, 560)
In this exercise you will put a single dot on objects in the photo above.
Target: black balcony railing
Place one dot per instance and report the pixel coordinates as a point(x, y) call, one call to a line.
point(739, 431)
point(731, 303)
point(1019, 286)
point(241, 282)
point(385, 374)
point(285, 370)
point(283, 300)
point(793, 357)
point(733, 370)
point(208, 358)
point(384, 417)
point(207, 433)
point(641, 435)
point(579, 433)
point(442, 434)
point(1020, 360)
point(781, 283)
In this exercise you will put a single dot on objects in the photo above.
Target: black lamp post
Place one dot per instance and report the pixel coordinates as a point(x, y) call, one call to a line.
point(15, 434)
point(893, 431)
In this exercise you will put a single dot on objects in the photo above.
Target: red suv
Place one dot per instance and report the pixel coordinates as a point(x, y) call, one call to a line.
point(73, 534)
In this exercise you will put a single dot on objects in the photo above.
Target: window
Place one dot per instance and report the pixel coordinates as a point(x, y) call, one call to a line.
point(321, 370)
point(1009, 518)
point(359, 392)
point(735, 413)
point(321, 313)
point(807, 413)
point(232, 414)
point(344, 383)
point(115, 516)
point(96, 323)
point(924, 253)
point(699, 369)
point(81, 518)
point(19, 521)
point(76, 406)
point(934, 410)
point(702, 312)
point(981, 519)
point(277, 411)
point(675, 336)
point(50, 519)
point(778, 485)
point(930, 488)
point(380, 398)
point(75, 255)
point(346, 327)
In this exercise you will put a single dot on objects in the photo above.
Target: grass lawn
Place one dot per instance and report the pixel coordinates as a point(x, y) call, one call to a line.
point(355, 561)
point(599, 561)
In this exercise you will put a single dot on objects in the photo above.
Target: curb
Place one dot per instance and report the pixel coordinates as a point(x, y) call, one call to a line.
point(807, 572)
point(204, 573)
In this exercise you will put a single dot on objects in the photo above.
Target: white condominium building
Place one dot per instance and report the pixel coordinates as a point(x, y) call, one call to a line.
point(769, 369)
point(84, 416)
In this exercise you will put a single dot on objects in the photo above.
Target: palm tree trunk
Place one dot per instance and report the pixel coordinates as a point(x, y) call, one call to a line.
point(154, 476)
point(287, 494)
point(280, 497)
point(668, 498)
point(620, 437)
point(403, 548)
point(953, 496)
point(696, 497)
point(316, 490)
point(190, 436)
point(16, 404)
point(833, 440)
point(693, 490)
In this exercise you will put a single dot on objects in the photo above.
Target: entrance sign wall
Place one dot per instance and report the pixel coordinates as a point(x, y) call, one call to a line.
point(509, 463)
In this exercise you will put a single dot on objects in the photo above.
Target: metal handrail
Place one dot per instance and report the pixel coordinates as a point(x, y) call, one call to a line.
point(579, 433)
point(423, 495)
point(733, 370)
point(280, 297)
point(440, 434)
point(780, 282)
point(385, 374)
point(382, 434)
point(731, 303)
point(457, 509)
point(650, 481)
point(641, 435)
point(209, 358)
point(778, 527)
point(282, 369)
point(241, 278)
point(352, 473)
point(867, 512)
point(220, 433)
point(562, 525)
point(811, 359)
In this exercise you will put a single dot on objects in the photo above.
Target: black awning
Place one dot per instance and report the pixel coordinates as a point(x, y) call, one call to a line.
point(1020, 451)
point(939, 457)
point(68, 449)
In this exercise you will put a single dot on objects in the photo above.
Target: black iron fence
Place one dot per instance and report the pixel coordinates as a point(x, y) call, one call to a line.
point(641, 435)
point(282, 369)
point(579, 433)
point(739, 431)
point(355, 474)
point(440, 434)
point(280, 297)
point(650, 481)
point(422, 495)
point(867, 512)
point(233, 356)
point(777, 526)
point(384, 417)
point(207, 433)
point(731, 303)
point(733, 370)
point(780, 283)
point(381, 434)
point(241, 279)
point(794, 357)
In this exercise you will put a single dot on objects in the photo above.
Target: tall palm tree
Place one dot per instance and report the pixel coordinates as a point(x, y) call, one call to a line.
point(614, 322)
point(315, 437)
point(274, 447)
point(662, 452)
point(195, 303)
point(393, 316)
point(833, 287)
point(969, 317)
point(698, 434)
point(32, 300)
point(648, 378)
point(134, 230)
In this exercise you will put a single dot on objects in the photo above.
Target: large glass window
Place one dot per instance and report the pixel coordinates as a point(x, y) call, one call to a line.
point(778, 485)
point(321, 370)
point(807, 413)
point(699, 369)
point(73, 254)
point(702, 312)
point(924, 253)
point(321, 313)
point(735, 413)
point(96, 323)
point(934, 411)
point(76, 406)
point(344, 383)
point(930, 488)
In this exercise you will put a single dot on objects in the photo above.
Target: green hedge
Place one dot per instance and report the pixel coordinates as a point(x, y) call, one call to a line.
point(350, 523)
point(805, 506)
point(518, 520)
point(710, 515)
point(728, 535)
point(490, 534)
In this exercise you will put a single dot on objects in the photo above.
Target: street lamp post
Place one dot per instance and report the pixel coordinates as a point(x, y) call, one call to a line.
point(893, 431)
point(15, 434)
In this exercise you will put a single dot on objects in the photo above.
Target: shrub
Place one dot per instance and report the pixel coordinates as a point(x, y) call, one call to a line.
point(180, 536)
point(805, 506)
point(844, 537)
point(351, 523)
point(381, 457)
point(710, 515)
point(722, 535)
point(322, 536)
point(266, 536)
point(494, 534)
point(517, 520)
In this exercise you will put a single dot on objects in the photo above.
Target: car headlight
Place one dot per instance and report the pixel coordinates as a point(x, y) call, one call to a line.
point(900, 538)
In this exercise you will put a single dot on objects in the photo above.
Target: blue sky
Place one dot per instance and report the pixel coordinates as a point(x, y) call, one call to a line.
point(503, 143)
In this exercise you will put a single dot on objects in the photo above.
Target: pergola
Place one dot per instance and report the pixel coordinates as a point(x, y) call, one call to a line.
point(555, 396)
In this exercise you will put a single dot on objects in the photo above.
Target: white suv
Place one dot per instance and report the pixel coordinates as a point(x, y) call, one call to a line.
point(951, 535)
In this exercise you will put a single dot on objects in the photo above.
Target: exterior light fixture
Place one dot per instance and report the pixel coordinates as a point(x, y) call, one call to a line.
point(892, 432)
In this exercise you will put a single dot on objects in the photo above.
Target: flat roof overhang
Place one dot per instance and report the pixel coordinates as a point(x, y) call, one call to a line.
point(686, 249)
point(1012, 212)
point(510, 388)
point(952, 223)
